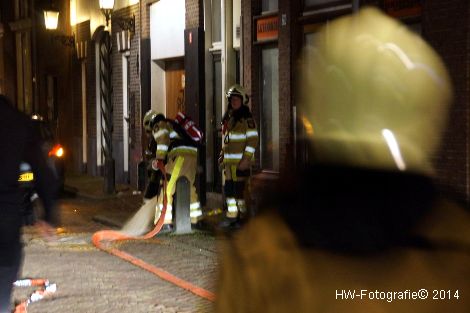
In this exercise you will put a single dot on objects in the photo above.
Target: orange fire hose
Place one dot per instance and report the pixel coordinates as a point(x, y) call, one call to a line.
point(46, 290)
point(102, 240)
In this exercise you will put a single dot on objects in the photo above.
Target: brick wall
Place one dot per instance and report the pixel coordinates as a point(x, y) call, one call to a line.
point(251, 59)
point(134, 98)
point(194, 14)
point(446, 28)
point(144, 18)
point(290, 42)
point(83, 36)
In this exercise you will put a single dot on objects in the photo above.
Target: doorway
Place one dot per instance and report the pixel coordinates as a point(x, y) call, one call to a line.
point(174, 82)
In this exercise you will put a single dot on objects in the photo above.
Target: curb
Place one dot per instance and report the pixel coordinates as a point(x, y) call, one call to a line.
point(75, 191)
point(107, 221)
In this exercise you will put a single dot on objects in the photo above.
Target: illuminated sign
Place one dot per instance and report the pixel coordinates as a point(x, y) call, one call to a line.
point(267, 28)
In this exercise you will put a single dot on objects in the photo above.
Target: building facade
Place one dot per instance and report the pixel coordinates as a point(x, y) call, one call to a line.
point(274, 33)
point(182, 55)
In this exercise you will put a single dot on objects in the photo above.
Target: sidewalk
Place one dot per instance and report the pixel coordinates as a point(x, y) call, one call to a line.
point(92, 188)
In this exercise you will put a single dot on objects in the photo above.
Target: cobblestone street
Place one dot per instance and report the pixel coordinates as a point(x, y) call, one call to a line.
point(90, 280)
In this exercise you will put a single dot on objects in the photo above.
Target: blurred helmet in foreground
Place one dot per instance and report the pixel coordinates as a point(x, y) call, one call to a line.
point(373, 95)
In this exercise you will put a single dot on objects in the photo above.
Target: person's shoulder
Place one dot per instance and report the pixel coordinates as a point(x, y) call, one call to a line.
point(248, 118)
point(448, 221)
point(245, 112)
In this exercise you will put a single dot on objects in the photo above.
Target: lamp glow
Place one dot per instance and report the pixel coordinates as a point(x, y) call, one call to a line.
point(51, 19)
point(107, 4)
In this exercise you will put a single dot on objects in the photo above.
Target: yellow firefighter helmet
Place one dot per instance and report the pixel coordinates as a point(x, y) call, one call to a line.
point(151, 114)
point(151, 118)
point(237, 90)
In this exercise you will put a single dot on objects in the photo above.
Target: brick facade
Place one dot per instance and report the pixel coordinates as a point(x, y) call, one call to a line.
point(144, 19)
point(251, 58)
point(194, 14)
point(134, 115)
point(290, 40)
point(446, 26)
point(135, 134)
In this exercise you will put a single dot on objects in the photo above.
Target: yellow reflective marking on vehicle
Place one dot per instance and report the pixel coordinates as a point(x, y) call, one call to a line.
point(26, 177)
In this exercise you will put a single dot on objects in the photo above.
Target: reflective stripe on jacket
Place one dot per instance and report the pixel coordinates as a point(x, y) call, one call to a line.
point(240, 139)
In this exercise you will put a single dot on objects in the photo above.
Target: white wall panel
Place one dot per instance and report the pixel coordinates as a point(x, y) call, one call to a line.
point(167, 22)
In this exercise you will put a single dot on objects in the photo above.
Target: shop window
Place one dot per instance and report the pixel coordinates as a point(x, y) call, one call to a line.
point(269, 117)
point(269, 5)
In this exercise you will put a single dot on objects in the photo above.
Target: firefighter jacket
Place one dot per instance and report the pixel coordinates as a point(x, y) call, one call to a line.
point(172, 141)
point(265, 269)
point(240, 136)
point(151, 150)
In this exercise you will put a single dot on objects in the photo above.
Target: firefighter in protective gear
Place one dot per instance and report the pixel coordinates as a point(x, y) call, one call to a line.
point(154, 175)
point(149, 120)
point(179, 154)
point(240, 137)
point(361, 212)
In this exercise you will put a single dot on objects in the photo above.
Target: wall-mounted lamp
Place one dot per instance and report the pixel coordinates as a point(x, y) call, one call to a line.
point(51, 20)
point(127, 23)
point(107, 7)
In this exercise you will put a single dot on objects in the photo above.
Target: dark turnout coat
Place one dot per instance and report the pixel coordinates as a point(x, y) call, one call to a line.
point(383, 244)
point(18, 143)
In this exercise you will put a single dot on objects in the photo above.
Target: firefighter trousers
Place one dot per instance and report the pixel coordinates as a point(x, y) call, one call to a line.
point(180, 165)
point(234, 190)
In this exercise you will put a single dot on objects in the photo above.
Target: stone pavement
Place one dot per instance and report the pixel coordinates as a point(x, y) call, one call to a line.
point(90, 280)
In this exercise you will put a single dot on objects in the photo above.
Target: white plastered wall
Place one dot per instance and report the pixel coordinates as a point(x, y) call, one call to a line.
point(167, 23)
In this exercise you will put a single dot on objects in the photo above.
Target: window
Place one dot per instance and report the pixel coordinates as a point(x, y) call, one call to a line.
point(216, 21)
point(21, 9)
point(269, 5)
point(269, 121)
point(311, 3)
point(24, 72)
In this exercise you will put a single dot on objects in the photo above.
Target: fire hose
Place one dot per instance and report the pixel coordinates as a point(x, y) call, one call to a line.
point(46, 289)
point(103, 239)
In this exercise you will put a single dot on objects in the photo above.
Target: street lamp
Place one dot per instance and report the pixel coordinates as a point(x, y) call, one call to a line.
point(51, 18)
point(107, 7)
point(51, 21)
